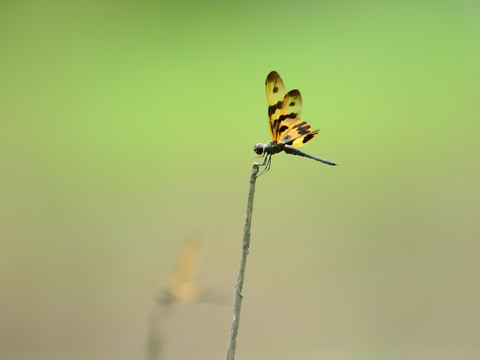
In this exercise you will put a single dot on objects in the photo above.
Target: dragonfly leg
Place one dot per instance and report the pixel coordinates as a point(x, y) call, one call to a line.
point(269, 162)
point(266, 160)
point(266, 163)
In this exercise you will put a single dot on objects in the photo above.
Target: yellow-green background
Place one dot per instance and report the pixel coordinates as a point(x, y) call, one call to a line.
point(127, 126)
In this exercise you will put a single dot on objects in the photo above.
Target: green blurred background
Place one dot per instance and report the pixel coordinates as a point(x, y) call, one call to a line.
point(127, 126)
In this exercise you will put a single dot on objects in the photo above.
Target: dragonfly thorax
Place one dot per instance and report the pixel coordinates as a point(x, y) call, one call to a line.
point(268, 149)
point(272, 148)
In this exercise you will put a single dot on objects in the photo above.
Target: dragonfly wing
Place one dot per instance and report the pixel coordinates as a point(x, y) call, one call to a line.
point(299, 133)
point(284, 111)
point(276, 91)
point(289, 114)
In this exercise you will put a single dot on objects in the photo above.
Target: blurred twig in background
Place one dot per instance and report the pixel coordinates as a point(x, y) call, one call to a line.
point(157, 319)
point(181, 289)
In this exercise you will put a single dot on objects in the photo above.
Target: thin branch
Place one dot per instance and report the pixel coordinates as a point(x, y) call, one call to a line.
point(237, 302)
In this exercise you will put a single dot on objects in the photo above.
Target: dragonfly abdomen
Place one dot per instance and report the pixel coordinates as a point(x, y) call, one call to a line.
point(291, 150)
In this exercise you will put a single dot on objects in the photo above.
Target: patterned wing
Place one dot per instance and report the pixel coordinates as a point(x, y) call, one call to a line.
point(275, 94)
point(299, 133)
point(289, 114)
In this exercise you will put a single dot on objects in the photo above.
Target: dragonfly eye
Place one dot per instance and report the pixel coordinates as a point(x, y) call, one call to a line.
point(258, 149)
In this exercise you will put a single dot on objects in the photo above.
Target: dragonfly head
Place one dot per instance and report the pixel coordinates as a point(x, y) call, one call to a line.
point(259, 148)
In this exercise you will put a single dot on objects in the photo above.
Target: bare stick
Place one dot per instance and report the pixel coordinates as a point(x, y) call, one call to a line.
point(157, 320)
point(237, 302)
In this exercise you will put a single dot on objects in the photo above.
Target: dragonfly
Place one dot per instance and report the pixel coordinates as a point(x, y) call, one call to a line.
point(182, 288)
point(287, 130)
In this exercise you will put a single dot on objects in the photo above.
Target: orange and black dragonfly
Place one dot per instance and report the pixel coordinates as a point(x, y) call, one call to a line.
point(287, 130)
